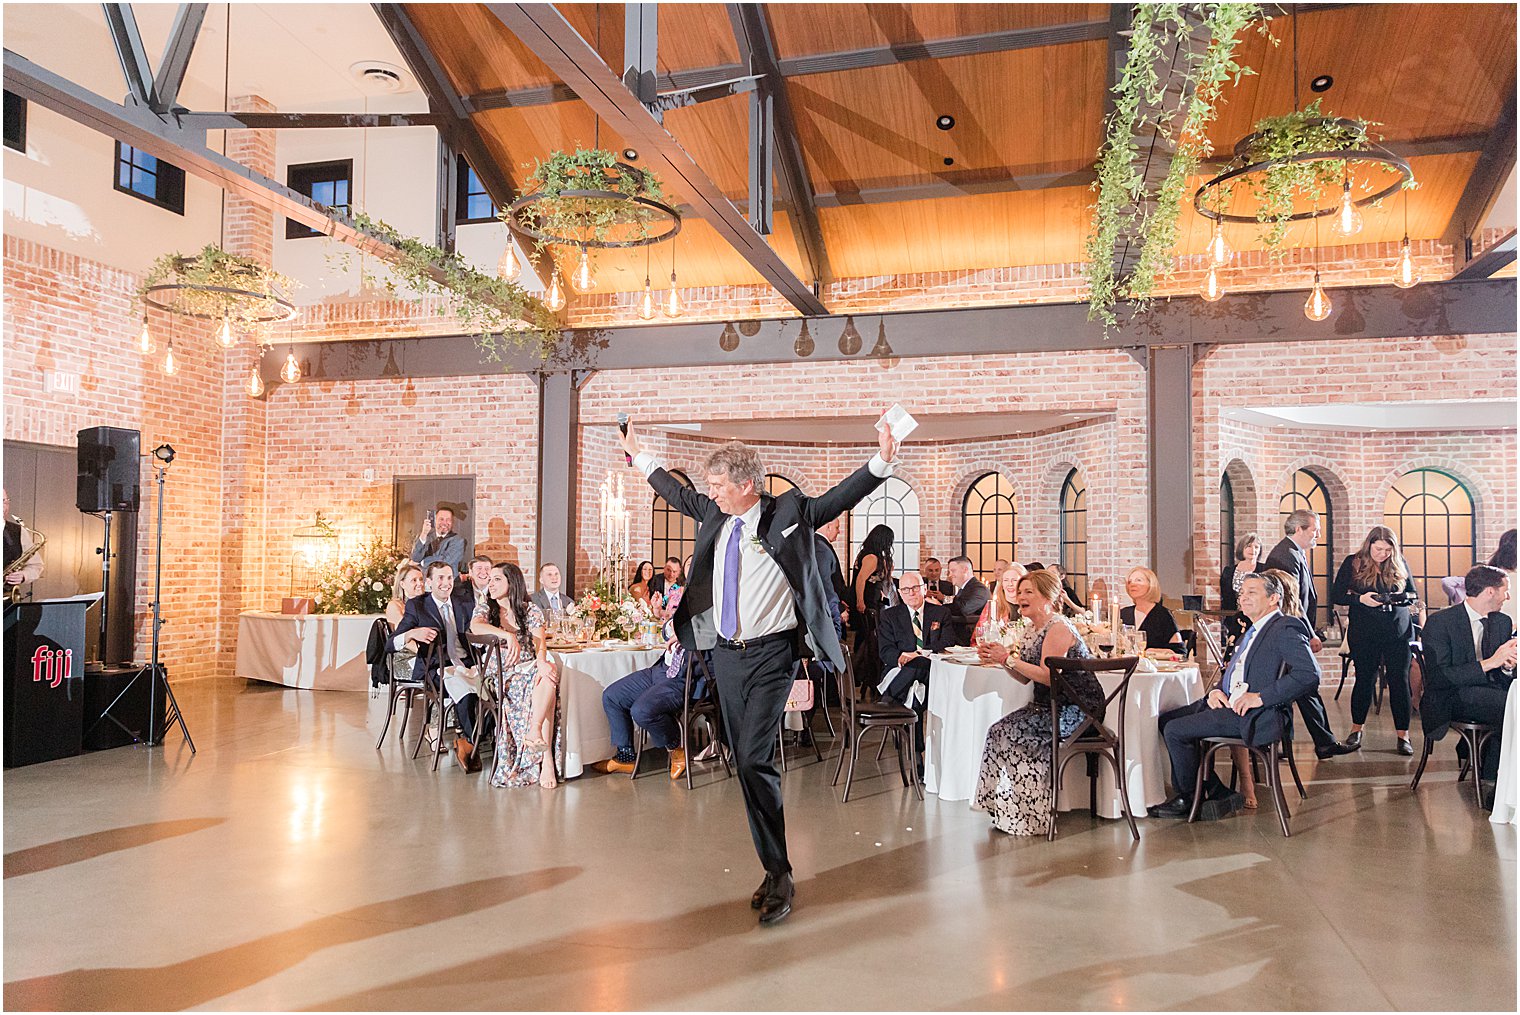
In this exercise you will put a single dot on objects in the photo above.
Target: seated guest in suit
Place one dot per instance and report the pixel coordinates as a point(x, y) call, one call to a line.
point(438, 614)
point(439, 541)
point(1154, 620)
point(1272, 667)
point(650, 698)
point(472, 586)
point(1003, 607)
point(406, 587)
point(524, 678)
point(1469, 663)
point(669, 579)
point(936, 590)
point(1376, 586)
point(550, 598)
point(905, 634)
point(638, 588)
point(968, 600)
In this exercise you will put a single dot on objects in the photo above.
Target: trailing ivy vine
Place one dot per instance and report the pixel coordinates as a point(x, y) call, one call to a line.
point(588, 220)
point(213, 266)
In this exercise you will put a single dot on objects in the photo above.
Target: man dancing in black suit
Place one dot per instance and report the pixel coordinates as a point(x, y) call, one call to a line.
point(754, 576)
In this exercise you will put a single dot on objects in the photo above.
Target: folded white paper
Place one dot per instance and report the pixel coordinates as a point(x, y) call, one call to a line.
point(898, 420)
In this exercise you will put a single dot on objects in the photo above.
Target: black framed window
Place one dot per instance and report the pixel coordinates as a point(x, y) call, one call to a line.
point(327, 183)
point(1432, 514)
point(989, 523)
point(1074, 532)
point(471, 202)
point(15, 122)
point(1305, 491)
point(894, 504)
point(143, 176)
point(776, 485)
point(1226, 522)
point(671, 534)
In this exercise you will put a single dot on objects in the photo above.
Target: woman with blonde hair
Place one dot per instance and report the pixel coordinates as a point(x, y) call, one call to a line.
point(1375, 583)
point(1002, 607)
point(1147, 614)
point(407, 585)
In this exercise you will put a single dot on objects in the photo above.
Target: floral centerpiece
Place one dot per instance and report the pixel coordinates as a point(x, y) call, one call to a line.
point(361, 582)
point(1011, 634)
point(611, 616)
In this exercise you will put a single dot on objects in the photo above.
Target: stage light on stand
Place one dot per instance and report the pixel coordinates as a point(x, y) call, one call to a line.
point(1317, 306)
point(145, 338)
point(169, 365)
point(1211, 289)
point(224, 336)
point(290, 373)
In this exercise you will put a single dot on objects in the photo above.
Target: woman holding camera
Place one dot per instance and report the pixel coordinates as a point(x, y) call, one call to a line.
point(1377, 586)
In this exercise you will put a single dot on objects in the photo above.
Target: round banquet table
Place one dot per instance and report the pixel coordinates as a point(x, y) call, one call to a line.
point(584, 674)
point(1504, 792)
point(965, 700)
point(318, 651)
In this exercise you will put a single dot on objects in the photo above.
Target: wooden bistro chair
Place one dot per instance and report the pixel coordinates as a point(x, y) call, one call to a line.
point(1474, 735)
point(439, 705)
point(1091, 737)
point(702, 709)
point(1274, 754)
point(859, 718)
point(404, 691)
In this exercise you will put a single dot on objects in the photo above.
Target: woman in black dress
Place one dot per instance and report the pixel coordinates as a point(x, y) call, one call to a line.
point(1376, 584)
point(1247, 550)
point(1154, 620)
point(873, 590)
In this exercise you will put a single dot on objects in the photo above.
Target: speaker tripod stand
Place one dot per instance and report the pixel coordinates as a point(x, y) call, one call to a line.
point(163, 455)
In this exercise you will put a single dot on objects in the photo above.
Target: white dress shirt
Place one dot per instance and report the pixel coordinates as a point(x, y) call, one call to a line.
point(555, 601)
point(446, 609)
point(1238, 686)
point(1475, 621)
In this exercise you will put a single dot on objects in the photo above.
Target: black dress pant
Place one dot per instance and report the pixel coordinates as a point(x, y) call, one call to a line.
point(1393, 654)
point(1483, 704)
point(897, 690)
point(1316, 721)
point(1183, 729)
point(752, 688)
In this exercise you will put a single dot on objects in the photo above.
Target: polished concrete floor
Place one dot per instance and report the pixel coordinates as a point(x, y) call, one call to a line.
point(289, 865)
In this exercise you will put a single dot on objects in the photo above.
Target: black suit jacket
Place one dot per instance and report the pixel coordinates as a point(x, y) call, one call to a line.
point(894, 632)
point(1287, 557)
point(967, 608)
point(833, 574)
point(422, 611)
point(786, 532)
point(1451, 663)
point(1280, 668)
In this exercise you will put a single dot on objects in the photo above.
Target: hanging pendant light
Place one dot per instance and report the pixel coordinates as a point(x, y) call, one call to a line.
point(1317, 306)
point(646, 302)
point(224, 336)
point(673, 299)
point(582, 281)
point(169, 365)
point(255, 381)
point(1218, 250)
point(290, 373)
point(1404, 275)
point(145, 338)
point(1348, 219)
point(1211, 289)
point(508, 267)
point(554, 299)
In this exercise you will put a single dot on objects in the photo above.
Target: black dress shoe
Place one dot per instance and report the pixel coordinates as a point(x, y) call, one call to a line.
point(1486, 790)
point(1334, 749)
point(778, 904)
point(758, 899)
point(1354, 739)
point(1213, 810)
point(1405, 747)
point(1177, 807)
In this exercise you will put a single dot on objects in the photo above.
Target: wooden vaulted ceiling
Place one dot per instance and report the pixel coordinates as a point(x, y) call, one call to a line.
point(896, 194)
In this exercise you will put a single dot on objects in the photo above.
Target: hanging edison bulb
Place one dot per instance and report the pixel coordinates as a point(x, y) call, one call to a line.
point(145, 338)
point(554, 299)
point(1317, 306)
point(508, 267)
point(291, 371)
point(673, 300)
point(169, 365)
point(582, 281)
point(1211, 289)
point(224, 336)
point(1348, 219)
point(646, 301)
point(255, 382)
point(1403, 273)
point(1218, 249)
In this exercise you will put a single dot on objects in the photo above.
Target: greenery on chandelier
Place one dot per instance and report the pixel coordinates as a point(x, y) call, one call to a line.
point(1123, 209)
point(502, 314)
point(587, 220)
point(211, 269)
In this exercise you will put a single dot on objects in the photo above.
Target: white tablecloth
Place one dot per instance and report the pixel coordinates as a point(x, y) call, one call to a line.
point(323, 652)
point(964, 702)
point(583, 677)
point(1504, 792)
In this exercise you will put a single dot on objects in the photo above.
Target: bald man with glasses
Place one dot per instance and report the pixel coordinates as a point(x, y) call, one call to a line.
point(905, 635)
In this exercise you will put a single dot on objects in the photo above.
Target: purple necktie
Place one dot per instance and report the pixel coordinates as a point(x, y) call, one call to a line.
point(729, 624)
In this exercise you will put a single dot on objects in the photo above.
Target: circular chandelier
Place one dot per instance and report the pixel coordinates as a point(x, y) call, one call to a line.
point(599, 217)
point(244, 296)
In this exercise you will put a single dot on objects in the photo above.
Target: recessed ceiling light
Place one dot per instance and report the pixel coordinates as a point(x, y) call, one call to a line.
point(949, 161)
point(1321, 83)
point(944, 121)
point(379, 76)
point(630, 155)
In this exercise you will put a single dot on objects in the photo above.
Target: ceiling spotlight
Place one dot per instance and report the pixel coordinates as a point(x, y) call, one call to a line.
point(164, 453)
point(944, 122)
point(630, 154)
point(949, 161)
point(1321, 83)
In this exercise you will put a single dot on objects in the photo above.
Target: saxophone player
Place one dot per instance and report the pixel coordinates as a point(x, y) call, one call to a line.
point(18, 540)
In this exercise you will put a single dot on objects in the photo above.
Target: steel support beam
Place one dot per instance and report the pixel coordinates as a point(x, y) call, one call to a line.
point(551, 38)
point(546, 95)
point(1169, 466)
point(942, 49)
point(1494, 167)
point(641, 37)
point(559, 400)
point(761, 134)
point(664, 102)
point(171, 69)
point(1371, 312)
point(448, 194)
point(122, 24)
point(303, 121)
point(1501, 254)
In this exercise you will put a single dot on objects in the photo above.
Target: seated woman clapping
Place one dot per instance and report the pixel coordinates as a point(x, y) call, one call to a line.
point(524, 677)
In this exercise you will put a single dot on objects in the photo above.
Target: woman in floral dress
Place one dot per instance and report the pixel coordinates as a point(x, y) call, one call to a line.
point(1014, 786)
point(529, 686)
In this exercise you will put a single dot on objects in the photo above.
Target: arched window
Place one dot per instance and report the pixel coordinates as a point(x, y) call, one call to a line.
point(895, 505)
point(1305, 491)
point(671, 534)
point(776, 485)
point(1074, 532)
point(989, 523)
point(1226, 521)
point(1432, 514)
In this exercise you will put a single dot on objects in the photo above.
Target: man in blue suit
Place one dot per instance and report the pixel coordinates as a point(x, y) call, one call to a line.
point(1271, 667)
point(438, 612)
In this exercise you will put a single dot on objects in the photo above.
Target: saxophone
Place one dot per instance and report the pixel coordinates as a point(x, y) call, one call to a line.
point(13, 593)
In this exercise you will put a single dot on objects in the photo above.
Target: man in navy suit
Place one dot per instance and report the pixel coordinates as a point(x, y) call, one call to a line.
point(752, 589)
point(438, 612)
point(905, 632)
point(1271, 667)
point(1469, 663)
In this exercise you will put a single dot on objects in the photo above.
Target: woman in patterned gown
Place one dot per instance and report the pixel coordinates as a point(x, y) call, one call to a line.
point(528, 689)
point(1014, 786)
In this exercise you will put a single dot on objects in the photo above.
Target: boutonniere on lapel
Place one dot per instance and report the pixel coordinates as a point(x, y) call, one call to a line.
point(934, 625)
point(755, 541)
